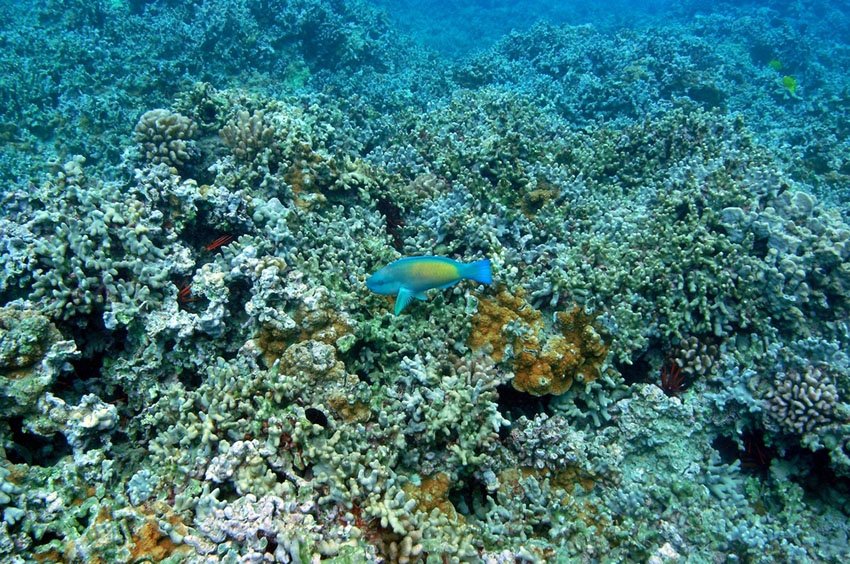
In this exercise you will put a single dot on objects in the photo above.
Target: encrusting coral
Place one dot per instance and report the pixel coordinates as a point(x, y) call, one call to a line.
point(545, 360)
point(33, 355)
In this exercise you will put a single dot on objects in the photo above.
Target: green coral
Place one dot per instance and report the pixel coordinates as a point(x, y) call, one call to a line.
point(275, 408)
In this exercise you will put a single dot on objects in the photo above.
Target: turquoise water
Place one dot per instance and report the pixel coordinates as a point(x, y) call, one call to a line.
point(193, 195)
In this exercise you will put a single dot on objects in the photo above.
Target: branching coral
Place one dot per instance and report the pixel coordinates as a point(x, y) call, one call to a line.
point(450, 410)
point(251, 135)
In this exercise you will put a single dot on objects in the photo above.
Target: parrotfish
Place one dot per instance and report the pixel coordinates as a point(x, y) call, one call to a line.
point(411, 277)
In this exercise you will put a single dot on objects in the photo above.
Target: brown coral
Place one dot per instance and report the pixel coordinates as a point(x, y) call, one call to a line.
point(165, 137)
point(314, 322)
point(571, 476)
point(535, 199)
point(351, 411)
point(273, 342)
point(546, 360)
point(565, 479)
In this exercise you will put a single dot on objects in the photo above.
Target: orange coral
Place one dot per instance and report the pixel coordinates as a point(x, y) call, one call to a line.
point(548, 370)
point(149, 543)
point(493, 315)
point(433, 493)
point(574, 352)
point(591, 349)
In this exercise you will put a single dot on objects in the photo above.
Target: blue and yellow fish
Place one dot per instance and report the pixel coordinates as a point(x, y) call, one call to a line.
point(411, 277)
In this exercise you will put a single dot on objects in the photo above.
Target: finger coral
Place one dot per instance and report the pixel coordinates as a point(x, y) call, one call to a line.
point(165, 137)
point(799, 402)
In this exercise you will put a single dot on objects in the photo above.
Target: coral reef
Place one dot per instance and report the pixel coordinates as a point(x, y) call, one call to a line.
point(32, 356)
point(191, 365)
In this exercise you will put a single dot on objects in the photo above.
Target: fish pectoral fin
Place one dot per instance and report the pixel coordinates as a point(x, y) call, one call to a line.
point(402, 299)
point(420, 296)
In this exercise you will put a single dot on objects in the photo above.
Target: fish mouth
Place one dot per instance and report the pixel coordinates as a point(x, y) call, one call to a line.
point(372, 284)
point(378, 286)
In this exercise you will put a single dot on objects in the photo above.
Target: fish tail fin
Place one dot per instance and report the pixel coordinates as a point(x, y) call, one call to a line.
point(479, 271)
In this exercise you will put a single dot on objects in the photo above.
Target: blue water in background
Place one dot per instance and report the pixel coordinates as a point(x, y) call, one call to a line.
point(808, 41)
point(123, 70)
point(456, 28)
